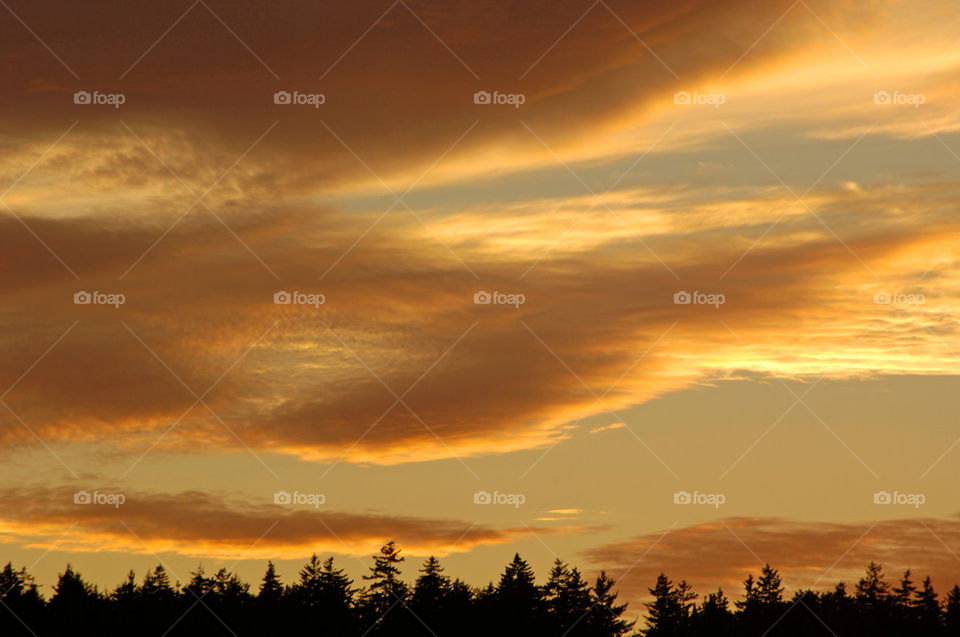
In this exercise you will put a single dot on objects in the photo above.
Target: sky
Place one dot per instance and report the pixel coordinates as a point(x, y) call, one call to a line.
point(644, 286)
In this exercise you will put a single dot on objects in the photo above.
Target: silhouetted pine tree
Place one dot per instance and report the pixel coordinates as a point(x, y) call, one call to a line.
point(604, 617)
point(567, 600)
point(337, 599)
point(518, 607)
point(199, 585)
point(430, 599)
point(768, 604)
point(272, 616)
point(837, 610)
point(197, 617)
point(156, 586)
point(769, 589)
point(951, 615)
point(750, 616)
point(22, 605)
point(230, 601)
point(384, 601)
point(903, 593)
point(873, 600)
point(160, 603)
point(667, 614)
point(928, 611)
point(271, 588)
point(431, 587)
point(713, 616)
point(749, 594)
point(74, 603)
point(872, 590)
point(125, 605)
point(902, 602)
point(308, 591)
point(323, 595)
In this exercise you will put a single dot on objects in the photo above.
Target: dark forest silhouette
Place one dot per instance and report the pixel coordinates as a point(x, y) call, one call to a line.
point(325, 601)
point(322, 601)
point(875, 608)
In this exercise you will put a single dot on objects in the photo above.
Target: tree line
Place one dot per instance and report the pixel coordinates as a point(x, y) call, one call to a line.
point(323, 601)
point(875, 608)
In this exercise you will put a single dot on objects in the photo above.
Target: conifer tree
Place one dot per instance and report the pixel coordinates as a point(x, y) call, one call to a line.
point(431, 587)
point(928, 607)
point(605, 616)
point(156, 584)
point(21, 604)
point(750, 597)
point(74, 601)
point(337, 588)
point(387, 593)
point(271, 588)
point(567, 598)
point(903, 593)
point(666, 614)
point(872, 590)
point(952, 611)
point(518, 599)
point(385, 586)
point(713, 616)
point(127, 592)
point(769, 589)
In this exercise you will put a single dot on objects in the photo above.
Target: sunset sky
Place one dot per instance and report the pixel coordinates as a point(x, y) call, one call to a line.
point(795, 163)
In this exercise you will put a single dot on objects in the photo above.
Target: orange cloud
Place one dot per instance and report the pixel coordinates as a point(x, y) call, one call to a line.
point(299, 212)
point(402, 93)
point(323, 382)
point(193, 523)
point(721, 553)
